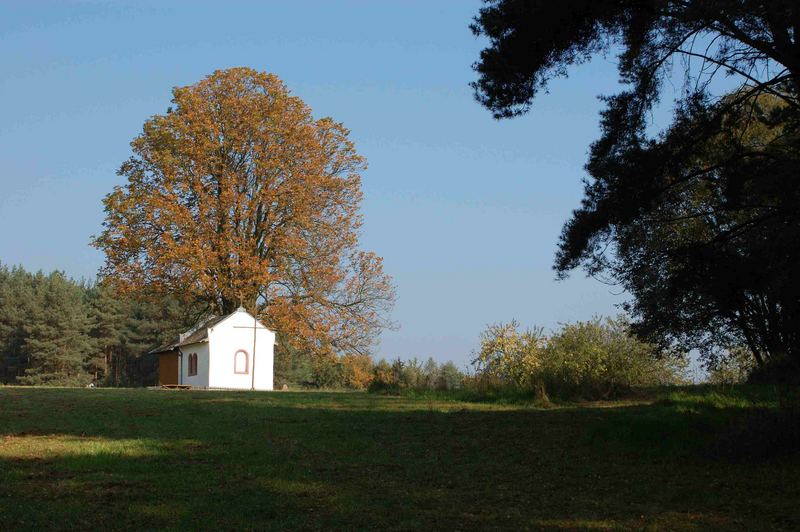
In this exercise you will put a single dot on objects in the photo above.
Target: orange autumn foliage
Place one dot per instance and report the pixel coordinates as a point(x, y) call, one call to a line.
point(358, 371)
point(238, 196)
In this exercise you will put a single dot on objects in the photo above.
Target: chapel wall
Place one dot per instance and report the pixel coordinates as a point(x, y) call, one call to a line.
point(236, 334)
point(201, 379)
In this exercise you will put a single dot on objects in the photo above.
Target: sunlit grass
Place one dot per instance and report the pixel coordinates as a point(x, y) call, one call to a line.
point(741, 397)
point(42, 447)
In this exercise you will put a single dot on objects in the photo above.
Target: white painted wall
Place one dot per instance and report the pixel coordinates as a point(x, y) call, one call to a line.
point(201, 379)
point(231, 335)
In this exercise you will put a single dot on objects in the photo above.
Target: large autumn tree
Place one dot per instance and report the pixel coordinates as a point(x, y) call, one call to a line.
point(238, 196)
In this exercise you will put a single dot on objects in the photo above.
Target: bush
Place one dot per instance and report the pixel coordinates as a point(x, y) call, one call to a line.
point(292, 367)
point(734, 367)
point(449, 377)
point(327, 372)
point(482, 387)
point(602, 359)
point(509, 356)
point(357, 371)
point(592, 360)
point(297, 368)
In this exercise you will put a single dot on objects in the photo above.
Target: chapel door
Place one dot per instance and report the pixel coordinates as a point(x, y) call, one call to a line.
point(167, 369)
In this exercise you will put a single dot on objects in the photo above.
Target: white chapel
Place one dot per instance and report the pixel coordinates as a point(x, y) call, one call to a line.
point(228, 352)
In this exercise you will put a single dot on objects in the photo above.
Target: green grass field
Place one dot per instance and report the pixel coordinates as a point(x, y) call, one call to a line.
point(78, 458)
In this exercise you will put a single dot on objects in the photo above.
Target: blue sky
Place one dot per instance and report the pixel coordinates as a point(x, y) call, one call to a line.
point(465, 210)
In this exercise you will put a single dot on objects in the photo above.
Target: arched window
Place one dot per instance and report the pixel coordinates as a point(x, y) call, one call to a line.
point(241, 362)
point(192, 364)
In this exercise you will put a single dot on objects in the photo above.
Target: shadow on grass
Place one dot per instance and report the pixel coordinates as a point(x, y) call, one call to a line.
point(143, 459)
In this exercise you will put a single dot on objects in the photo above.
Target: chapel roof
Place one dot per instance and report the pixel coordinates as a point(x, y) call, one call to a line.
point(196, 334)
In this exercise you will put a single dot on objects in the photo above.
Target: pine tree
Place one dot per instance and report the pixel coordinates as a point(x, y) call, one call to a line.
point(108, 314)
point(57, 333)
point(16, 288)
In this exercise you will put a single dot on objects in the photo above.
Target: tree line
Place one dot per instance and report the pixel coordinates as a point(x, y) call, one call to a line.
point(58, 331)
point(596, 359)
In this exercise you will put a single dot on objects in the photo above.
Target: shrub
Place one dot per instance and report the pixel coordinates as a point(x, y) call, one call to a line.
point(327, 372)
point(292, 366)
point(357, 371)
point(601, 359)
point(509, 356)
point(298, 368)
point(449, 377)
point(733, 368)
point(384, 379)
point(594, 359)
point(483, 387)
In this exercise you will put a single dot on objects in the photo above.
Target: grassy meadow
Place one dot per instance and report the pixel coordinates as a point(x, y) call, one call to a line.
point(143, 459)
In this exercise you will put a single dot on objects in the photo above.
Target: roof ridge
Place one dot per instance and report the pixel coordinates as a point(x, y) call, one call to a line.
point(199, 324)
point(196, 333)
